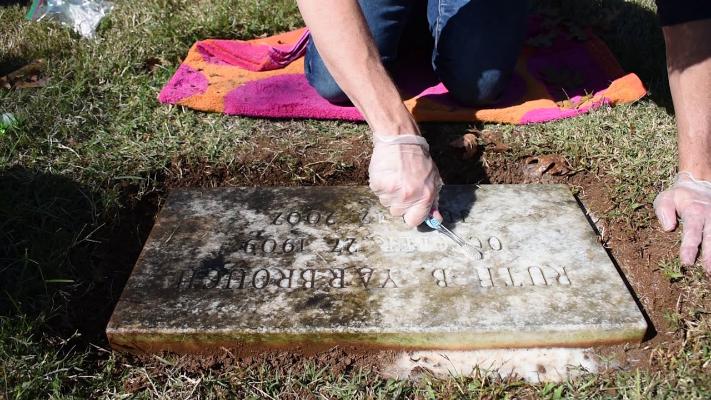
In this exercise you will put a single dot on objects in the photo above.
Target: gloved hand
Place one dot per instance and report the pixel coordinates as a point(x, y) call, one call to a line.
point(404, 177)
point(691, 200)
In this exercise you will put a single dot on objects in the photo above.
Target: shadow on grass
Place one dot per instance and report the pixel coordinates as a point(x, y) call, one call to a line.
point(62, 256)
point(630, 30)
point(453, 167)
point(15, 3)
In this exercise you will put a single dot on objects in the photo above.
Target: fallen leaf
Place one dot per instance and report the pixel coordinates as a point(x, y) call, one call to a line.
point(551, 164)
point(29, 76)
point(31, 84)
point(494, 141)
point(469, 143)
point(152, 63)
point(569, 104)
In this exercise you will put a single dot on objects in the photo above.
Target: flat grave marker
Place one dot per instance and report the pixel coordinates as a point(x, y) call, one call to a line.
point(303, 267)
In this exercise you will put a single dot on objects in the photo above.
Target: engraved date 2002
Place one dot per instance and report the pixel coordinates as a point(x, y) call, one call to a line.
point(310, 217)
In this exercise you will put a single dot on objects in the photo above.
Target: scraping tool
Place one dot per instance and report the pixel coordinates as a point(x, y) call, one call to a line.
point(435, 224)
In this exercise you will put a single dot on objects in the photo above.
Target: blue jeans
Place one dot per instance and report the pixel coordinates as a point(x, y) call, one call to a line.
point(476, 44)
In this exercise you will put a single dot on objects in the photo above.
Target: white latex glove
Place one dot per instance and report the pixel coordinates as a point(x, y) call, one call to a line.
point(404, 177)
point(691, 200)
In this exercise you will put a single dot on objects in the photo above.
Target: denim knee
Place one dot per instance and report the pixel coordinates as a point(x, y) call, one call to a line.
point(327, 88)
point(320, 79)
point(477, 43)
point(475, 88)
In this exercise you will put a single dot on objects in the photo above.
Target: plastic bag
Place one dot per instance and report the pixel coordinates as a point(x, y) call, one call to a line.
point(7, 121)
point(82, 15)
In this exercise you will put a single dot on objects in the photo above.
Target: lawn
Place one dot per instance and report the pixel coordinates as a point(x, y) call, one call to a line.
point(94, 154)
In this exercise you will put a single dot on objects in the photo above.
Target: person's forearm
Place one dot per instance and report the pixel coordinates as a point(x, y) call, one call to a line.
point(343, 40)
point(689, 67)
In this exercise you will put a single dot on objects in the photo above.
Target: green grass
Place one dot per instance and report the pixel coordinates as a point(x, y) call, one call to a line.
point(90, 160)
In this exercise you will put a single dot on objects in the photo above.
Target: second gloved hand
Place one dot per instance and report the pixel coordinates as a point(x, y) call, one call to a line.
point(690, 199)
point(404, 177)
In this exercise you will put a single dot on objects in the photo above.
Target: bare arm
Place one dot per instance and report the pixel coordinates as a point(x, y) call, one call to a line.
point(401, 170)
point(689, 67)
point(343, 40)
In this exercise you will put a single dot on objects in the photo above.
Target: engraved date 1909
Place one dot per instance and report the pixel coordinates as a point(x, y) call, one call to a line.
point(269, 245)
point(273, 246)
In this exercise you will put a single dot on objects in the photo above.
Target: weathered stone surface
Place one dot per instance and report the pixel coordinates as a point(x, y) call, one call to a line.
point(281, 267)
point(533, 365)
